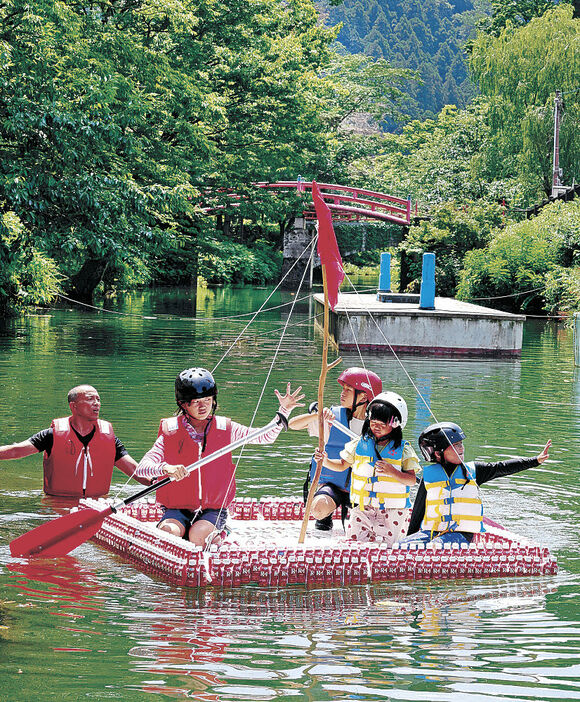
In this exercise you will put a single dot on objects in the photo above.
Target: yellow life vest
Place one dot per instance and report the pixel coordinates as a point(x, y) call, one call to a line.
point(452, 502)
point(378, 491)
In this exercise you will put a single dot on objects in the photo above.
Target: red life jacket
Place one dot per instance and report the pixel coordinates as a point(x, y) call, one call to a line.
point(68, 468)
point(213, 486)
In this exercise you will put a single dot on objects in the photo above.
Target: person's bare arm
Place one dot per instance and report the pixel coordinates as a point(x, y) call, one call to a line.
point(337, 464)
point(24, 448)
point(301, 421)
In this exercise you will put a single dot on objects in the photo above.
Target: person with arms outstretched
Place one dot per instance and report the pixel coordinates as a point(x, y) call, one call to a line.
point(448, 506)
point(79, 450)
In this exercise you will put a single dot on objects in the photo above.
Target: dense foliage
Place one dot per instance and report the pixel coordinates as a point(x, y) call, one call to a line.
point(27, 276)
point(133, 134)
point(518, 73)
point(450, 233)
point(117, 114)
point(530, 264)
point(426, 37)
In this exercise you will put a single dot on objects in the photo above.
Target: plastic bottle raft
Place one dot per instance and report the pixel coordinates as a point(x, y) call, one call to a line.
point(268, 554)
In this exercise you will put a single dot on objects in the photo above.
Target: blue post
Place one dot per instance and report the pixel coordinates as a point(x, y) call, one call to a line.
point(385, 273)
point(427, 298)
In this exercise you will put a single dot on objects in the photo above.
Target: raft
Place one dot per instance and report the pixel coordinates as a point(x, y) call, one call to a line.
point(262, 548)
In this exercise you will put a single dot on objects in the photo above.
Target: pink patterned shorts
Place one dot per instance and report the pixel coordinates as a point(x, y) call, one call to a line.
point(385, 525)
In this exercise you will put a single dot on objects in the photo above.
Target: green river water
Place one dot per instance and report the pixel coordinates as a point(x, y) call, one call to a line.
point(92, 627)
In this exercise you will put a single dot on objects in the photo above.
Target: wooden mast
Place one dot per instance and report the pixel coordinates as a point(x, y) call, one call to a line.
point(323, 372)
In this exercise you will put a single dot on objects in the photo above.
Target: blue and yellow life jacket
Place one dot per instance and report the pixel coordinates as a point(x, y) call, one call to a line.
point(452, 502)
point(378, 491)
point(336, 442)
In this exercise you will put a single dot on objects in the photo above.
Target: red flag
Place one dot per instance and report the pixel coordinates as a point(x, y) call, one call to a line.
point(327, 246)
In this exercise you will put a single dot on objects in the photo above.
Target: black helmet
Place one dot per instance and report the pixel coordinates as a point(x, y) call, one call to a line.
point(194, 383)
point(437, 437)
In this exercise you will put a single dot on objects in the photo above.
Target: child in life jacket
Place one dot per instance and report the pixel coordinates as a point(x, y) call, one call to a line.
point(448, 507)
point(195, 505)
point(383, 469)
point(359, 386)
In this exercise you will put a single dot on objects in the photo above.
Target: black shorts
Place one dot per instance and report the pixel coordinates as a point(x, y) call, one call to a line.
point(186, 517)
point(340, 497)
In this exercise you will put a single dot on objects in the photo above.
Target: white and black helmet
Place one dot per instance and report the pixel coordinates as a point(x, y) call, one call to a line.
point(394, 400)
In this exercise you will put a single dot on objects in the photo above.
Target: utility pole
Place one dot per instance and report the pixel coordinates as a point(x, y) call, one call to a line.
point(557, 186)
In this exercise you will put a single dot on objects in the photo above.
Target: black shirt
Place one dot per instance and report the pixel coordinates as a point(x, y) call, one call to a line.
point(44, 440)
point(484, 472)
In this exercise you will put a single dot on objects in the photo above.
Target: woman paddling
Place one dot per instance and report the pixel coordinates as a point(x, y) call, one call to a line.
point(196, 505)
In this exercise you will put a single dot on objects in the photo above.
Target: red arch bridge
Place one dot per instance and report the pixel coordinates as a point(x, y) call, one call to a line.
point(353, 204)
point(346, 203)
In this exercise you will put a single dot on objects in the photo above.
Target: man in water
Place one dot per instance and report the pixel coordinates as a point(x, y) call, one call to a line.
point(79, 451)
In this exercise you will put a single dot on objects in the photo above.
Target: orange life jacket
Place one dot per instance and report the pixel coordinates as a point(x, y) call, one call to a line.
point(212, 486)
point(70, 471)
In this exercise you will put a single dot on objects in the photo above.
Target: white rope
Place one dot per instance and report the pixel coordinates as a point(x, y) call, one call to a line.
point(419, 394)
point(269, 373)
point(423, 400)
point(231, 318)
point(255, 314)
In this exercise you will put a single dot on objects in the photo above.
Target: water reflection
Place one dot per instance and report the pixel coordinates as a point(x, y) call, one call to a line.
point(119, 633)
point(259, 644)
point(59, 580)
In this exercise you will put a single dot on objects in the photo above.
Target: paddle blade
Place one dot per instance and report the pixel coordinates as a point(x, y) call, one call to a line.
point(59, 536)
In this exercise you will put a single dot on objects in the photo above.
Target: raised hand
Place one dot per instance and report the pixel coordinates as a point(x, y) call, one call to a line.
point(291, 399)
point(544, 455)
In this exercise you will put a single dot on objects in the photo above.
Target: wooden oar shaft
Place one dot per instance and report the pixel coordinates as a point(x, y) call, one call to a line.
point(322, 380)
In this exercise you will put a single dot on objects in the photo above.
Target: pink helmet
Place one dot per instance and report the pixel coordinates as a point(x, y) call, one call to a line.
point(363, 380)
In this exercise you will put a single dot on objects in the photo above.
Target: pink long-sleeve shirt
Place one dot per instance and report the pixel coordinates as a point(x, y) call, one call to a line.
point(152, 464)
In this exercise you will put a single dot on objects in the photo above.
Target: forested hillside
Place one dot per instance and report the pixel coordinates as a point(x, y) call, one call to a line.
point(133, 133)
point(426, 36)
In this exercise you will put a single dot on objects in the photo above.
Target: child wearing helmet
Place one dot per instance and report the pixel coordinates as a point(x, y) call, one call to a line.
point(359, 386)
point(383, 469)
point(196, 507)
point(448, 507)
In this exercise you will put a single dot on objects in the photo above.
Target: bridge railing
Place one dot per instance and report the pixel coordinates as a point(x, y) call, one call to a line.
point(352, 203)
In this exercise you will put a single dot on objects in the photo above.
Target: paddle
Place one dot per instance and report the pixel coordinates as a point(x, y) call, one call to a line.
point(345, 430)
point(60, 536)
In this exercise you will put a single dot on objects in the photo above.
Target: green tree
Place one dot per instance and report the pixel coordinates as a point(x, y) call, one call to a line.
point(530, 264)
point(27, 276)
point(518, 73)
point(450, 233)
point(117, 118)
point(516, 13)
point(433, 161)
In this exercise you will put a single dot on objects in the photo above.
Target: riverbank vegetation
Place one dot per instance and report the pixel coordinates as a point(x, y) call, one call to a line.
point(133, 134)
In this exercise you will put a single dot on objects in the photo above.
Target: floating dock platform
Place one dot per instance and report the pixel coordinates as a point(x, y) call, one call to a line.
point(379, 323)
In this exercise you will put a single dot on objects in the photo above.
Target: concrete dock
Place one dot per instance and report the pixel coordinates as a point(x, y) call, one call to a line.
point(452, 328)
